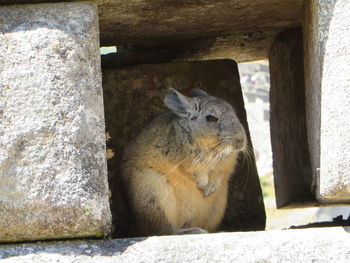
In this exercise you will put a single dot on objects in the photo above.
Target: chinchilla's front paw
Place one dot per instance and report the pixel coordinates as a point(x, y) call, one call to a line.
point(202, 180)
point(210, 188)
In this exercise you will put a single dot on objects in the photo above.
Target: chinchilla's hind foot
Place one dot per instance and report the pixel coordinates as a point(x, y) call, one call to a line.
point(190, 231)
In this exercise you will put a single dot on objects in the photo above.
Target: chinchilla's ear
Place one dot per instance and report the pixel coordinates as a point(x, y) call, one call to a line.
point(178, 103)
point(198, 92)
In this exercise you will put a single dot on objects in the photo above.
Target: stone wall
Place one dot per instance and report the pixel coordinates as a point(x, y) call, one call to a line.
point(53, 173)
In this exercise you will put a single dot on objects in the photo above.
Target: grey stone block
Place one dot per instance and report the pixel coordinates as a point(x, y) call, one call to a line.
point(327, 68)
point(134, 95)
point(307, 245)
point(53, 176)
point(291, 160)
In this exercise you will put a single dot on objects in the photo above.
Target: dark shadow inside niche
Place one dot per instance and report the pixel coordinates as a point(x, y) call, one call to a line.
point(292, 166)
point(133, 95)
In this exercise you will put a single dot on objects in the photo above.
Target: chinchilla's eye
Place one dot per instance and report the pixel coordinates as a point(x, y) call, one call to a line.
point(211, 118)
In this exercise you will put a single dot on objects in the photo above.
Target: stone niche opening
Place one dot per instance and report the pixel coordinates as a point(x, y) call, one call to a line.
point(265, 30)
point(294, 143)
point(134, 94)
point(309, 109)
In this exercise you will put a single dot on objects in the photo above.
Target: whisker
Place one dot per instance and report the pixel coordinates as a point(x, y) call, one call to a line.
point(249, 156)
point(197, 158)
point(164, 196)
point(203, 155)
point(177, 165)
point(216, 156)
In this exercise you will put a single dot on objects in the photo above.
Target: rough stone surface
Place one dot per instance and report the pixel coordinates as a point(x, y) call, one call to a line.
point(53, 174)
point(327, 56)
point(133, 95)
point(241, 29)
point(240, 46)
point(307, 245)
point(150, 19)
point(130, 21)
point(291, 161)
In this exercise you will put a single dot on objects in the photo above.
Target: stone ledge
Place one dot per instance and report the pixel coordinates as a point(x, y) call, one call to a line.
point(306, 245)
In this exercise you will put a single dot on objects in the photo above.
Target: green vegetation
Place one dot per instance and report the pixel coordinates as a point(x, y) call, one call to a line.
point(267, 186)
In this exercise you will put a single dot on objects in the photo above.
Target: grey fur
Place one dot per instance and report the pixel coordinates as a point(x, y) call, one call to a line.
point(198, 92)
point(193, 112)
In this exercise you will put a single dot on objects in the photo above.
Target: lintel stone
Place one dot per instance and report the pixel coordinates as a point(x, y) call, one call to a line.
point(241, 30)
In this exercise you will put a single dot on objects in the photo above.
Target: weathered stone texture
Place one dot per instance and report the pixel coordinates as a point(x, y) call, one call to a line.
point(291, 161)
point(240, 46)
point(241, 29)
point(135, 20)
point(53, 178)
point(327, 56)
point(307, 245)
point(133, 95)
point(151, 19)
